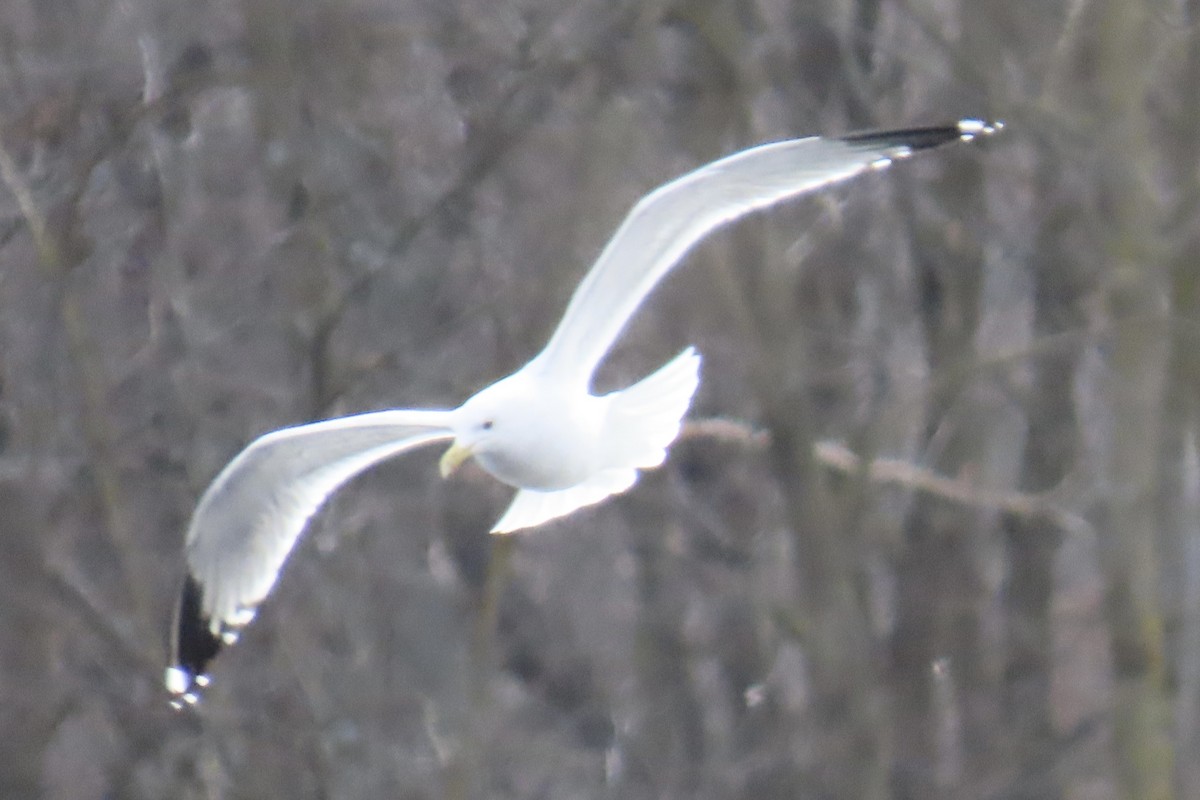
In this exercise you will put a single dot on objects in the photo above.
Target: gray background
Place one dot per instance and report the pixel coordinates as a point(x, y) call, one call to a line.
point(220, 218)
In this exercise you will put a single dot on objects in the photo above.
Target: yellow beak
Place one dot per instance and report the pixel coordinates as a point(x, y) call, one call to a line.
point(453, 458)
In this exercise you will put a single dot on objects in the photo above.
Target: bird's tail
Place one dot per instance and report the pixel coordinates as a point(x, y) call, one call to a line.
point(645, 418)
point(642, 422)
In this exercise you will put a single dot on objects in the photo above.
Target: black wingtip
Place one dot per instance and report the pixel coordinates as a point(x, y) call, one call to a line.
point(194, 645)
point(913, 139)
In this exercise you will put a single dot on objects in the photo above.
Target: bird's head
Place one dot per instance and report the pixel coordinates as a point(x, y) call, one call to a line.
point(490, 425)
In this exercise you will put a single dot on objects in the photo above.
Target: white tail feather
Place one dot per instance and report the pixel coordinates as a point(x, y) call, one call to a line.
point(645, 418)
point(642, 422)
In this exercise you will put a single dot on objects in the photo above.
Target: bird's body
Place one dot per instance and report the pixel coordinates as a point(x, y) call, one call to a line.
point(540, 430)
point(557, 430)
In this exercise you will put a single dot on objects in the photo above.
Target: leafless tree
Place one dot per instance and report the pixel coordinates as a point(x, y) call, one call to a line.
point(931, 533)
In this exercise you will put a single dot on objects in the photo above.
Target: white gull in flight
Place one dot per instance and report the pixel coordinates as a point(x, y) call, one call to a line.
point(539, 430)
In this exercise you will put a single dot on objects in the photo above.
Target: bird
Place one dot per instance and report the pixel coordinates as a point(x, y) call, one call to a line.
point(540, 430)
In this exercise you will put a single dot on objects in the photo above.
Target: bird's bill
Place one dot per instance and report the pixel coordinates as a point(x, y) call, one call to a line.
point(453, 458)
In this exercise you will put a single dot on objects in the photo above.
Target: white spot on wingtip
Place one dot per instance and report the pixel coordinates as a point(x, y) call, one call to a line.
point(185, 700)
point(243, 617)
point(968, 129)
point(229, 637)
point(176, 681)
point(894, 153)
point(180, 684)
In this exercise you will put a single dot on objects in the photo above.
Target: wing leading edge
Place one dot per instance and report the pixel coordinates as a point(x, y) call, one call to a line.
point(669, 221)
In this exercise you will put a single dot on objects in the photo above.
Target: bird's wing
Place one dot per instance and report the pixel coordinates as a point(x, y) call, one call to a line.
point(251, 516)
point(666, 223)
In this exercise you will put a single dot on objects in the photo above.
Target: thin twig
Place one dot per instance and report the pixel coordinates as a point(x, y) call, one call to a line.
point(46, 249)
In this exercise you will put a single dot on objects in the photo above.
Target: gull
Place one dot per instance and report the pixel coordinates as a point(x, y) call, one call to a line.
point(539, 430)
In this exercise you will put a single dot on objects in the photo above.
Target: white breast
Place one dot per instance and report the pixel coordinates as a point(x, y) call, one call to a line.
point(543, 436)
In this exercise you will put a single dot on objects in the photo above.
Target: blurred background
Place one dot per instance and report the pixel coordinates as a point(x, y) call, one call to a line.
point(931, 533)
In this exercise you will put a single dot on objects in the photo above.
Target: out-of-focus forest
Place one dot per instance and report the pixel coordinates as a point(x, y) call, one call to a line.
point(933, 530)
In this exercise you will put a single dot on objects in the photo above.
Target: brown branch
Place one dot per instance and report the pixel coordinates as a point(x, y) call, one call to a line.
point(893, 471)
point(840, 458)
point(725, 430)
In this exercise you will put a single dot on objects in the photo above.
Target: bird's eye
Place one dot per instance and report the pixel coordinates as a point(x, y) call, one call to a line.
point(488, 424)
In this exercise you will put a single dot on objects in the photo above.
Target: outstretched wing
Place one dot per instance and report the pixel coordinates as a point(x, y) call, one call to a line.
point(666, 223)
point(251, 516)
